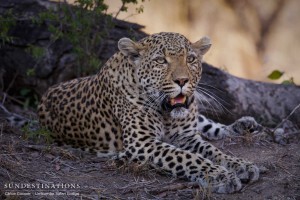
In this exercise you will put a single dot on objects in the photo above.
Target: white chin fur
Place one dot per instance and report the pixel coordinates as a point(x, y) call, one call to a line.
point(179, 113)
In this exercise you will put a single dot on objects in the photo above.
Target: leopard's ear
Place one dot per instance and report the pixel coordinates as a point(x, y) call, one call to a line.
point(131, 49)
point(202, 45)
point(128, 47)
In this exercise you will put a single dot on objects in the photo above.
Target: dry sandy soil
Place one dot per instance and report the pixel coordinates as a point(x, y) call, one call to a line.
point(28, 161)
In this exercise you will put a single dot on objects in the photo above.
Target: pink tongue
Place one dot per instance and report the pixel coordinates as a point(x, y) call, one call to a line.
point(179, 99)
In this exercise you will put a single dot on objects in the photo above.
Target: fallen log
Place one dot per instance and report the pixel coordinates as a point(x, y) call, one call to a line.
point(268, 103)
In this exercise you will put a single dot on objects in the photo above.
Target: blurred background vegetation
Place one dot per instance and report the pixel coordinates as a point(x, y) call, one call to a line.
point(251, 38)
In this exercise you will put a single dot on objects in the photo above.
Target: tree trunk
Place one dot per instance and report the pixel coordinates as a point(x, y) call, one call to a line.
point(268, 103)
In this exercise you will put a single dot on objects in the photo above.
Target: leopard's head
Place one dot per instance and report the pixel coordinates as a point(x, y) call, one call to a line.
point(168, 68)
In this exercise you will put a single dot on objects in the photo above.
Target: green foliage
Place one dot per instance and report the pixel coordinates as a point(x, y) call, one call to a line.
point(7, 21)
point(79, 24)
point(30, 72)
point(40, 134)
point(36, 51)
point(140, 9)
point(276, 75)
point(30, 98)
point(124, 2)
point(289, 81)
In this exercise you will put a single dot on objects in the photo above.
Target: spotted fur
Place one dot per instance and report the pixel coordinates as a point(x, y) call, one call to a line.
point(140, 106)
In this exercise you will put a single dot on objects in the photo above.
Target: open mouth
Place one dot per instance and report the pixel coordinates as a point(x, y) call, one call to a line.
point(178, 101)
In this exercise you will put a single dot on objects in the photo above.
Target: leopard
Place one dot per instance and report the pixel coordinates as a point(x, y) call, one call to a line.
point(141, 106)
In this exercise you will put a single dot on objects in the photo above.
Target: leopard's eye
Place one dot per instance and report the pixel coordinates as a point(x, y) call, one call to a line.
point(160, 60)
point(191, 58)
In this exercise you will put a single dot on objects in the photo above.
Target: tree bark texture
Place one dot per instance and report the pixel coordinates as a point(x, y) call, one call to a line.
point(268, 103)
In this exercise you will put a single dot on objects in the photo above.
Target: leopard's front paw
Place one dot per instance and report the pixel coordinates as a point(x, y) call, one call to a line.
point(224, 181)
point(120, 159)
point(247, 172)
point(242, 125)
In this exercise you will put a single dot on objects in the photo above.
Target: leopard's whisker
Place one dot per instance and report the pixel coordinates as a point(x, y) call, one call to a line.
point(216, 99)
point(202, 98)
point(212, 94)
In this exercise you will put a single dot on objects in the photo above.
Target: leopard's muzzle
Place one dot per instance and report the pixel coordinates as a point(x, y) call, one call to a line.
point(180, 100)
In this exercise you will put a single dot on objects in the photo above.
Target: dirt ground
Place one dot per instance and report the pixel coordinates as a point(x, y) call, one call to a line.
point(31, 168)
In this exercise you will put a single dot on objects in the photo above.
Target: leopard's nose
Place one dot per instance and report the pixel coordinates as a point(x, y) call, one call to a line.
point(181, 81)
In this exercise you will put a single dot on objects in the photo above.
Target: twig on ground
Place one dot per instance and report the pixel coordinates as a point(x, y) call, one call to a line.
point(70, 166)
point(35, 147)
point(291, 134)
point(245, 187)
point(12, 82)
point(52, 174)
point(1, 130)
point(43, 181)
point(282, 121)
point(285, 170)
point(8, 175)
point(11, 154)
point(230, 152)
point(136, 186)
point(55, 159)
point(174, 187)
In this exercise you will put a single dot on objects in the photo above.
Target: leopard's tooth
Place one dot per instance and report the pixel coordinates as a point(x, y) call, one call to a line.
point(172, 102)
